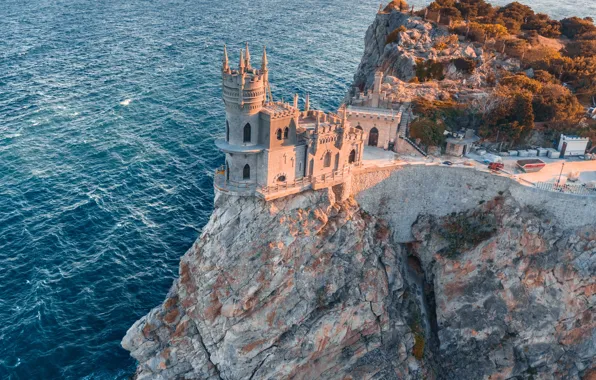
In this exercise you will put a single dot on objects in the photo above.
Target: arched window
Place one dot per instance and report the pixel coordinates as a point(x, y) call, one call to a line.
point(281, 178)
point(327, 160)
point(286, 133)
point(358, 127)
point(373, 137)
point(227, 131)
point(336, 166)
point(278, 134)
point(246, 172)
point(247, 132)
point(352, 158)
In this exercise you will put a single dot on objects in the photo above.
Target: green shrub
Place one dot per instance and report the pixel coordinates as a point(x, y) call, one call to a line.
point(465, 65)
point(464, 232)
point(429, 70)
point(573, 27)
point(392, 37)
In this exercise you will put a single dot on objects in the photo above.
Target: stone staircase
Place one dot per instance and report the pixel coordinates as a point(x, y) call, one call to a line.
point(413, 144)
point(403, 129)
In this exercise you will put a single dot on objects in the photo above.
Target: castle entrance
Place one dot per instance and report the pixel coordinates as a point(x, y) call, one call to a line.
point(373, 137)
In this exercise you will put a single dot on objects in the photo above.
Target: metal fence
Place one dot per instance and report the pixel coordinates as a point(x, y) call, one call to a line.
point(567, 188)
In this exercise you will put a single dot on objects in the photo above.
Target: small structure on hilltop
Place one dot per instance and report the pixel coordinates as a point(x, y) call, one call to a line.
point(572, 145)
point(461, 144)
point(379, 115)
point(274, 149)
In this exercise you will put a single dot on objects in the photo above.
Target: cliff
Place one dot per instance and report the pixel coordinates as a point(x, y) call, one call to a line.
point(397, 43)
point(304, 287)
point(487, 286)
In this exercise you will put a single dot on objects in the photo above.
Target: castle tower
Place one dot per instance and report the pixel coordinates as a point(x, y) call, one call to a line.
point(244, 95)
point(376, 95)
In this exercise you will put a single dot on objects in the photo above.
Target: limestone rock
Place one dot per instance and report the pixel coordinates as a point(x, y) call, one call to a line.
point(303, 287)
point(516, 303)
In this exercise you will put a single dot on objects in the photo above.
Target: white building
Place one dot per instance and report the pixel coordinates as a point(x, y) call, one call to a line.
point(572, 145)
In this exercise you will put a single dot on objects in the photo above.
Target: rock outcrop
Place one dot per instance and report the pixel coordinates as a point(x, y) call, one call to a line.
point(396, 42)
point(514, 293)
point(310, 287)
point(303, 287)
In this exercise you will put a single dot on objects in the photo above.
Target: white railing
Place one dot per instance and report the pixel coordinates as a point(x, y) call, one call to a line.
point(333, 176)
point(282, 186)
point(567, 188)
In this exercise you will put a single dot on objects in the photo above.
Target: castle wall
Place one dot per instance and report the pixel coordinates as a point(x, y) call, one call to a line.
point(401, 195)
point(269, 131)
point(281, 162)
point(236, 163)
point(387, 127)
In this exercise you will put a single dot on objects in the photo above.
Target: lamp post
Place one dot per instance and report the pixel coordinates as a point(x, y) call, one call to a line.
point(561, 173)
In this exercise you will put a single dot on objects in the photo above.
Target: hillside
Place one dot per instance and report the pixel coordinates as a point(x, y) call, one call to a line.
point(471, 65)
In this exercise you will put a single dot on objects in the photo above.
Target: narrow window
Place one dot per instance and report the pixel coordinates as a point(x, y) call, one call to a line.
point(247, 132)
point(286, 132)
point(352, 158)
point(246, 172)
point(227, 171)
point(278, 133)
point(336, 161)
point(227, 131)
point(327, 160)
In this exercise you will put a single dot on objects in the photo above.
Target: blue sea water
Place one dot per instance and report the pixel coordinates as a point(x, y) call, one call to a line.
point(108, 112)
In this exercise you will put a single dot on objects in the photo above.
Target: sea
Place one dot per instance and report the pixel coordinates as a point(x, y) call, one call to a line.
point(108, 114)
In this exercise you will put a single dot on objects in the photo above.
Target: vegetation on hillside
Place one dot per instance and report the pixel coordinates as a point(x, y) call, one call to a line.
point(556, 78)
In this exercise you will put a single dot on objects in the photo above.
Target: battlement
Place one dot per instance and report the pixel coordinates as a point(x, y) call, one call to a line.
point(278, 110)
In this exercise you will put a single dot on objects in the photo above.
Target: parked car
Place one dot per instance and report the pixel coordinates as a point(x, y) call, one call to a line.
point(448, 163)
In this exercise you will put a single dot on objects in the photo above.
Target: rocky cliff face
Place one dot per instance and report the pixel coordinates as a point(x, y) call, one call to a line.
point(304, 287)
point(396, 42)
point(309, 287)
point(514, 293)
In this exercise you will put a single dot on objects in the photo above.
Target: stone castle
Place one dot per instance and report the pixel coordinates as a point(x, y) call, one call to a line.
point(274, 149)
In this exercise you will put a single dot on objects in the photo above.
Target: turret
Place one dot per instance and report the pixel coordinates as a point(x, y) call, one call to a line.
point(264, 60)
point(307, 103)
point(247, 59)
point(295, 100)
point(226, 62)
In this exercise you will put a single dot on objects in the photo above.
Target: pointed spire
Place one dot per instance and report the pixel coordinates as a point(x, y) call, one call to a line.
point(264, 61)
point(307, 103)
point(247, 59)
point(226, 61)
point(241, 67)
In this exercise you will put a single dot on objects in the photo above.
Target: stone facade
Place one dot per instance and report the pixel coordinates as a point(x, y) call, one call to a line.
point(273, 148)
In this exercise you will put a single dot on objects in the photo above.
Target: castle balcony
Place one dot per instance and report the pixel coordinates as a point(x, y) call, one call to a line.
point(283, 189)
point(232, 187)
point(226, 147)
point(331, 179)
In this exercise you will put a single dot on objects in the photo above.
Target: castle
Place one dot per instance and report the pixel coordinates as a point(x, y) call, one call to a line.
point(273, 149)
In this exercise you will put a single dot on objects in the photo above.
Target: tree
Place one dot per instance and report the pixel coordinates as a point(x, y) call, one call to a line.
point(429, 132)
point(573, 27)
point(543, 25)
point(396, 5)
point(581, 48)
point(521, 82)
point(512, 116)
point(555, 102)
